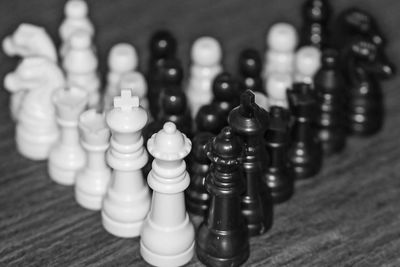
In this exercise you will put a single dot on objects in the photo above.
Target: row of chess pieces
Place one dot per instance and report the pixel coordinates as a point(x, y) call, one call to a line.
point(249, 138)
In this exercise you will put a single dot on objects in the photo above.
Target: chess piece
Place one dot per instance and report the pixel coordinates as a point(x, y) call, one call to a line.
point(206, 57)
point(226, 95)
point(27, 41)
point(250, 122)
point(135, 81)
point(167, 237)
point(250, 68)
point(174, 109)
point(222, 239)
point(305, 151)
point(261, 100)
point(36, 130)
point(92, 181)
point(80, 64)
point(127, 201)
point(281, 43)
point(331, 93)
point(67, 156)
point(315, 31)
point(365, 67)
point(208, 119)
point(76, 19)
point(278, 176)
point(307, 63)
point(171, 75)
point(277, 86)
point(122, 59)
point(163, 46)
point(197, 197)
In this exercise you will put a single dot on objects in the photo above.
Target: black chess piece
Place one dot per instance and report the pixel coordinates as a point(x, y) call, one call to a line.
point(278, 176)
point(222, 239)
point(174, 109)
point(365, 66)
point(315, 30)
point(171, 73)
point(209, 119)
point(355, 22)
point(331, 91)
point(197, 197)
point(305, 151)
point(226, 94)
point(250, 122)
point(250, 68)
point(163, 46)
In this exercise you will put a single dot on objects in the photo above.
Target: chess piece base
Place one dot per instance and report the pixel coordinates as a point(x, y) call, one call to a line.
point(34, 147)
point(88, 201)
point(166, 261)
point(125, 230)
point(60, 175)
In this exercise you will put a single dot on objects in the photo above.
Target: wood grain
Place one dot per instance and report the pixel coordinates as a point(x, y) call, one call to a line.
point(349, 215)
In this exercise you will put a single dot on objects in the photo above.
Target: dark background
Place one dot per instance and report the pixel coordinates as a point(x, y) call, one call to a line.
point(349, 215)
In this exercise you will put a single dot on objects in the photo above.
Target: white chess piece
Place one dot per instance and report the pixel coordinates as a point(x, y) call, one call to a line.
point(127, 201)
point(36, 126)
point(27, 41)
point(135, 81)
point(67, 156)
point(167, 237)
point(80, 64)
point(281, 44)
point(76, 19)
point(92, 181)
point(277, 85)
point(261, 100)
point(307, 63)
point(206, 57)
point(121, 60)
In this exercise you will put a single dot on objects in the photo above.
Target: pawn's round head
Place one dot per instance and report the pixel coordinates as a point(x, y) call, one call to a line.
point(278, 84)
point(225, 87)
point(76, 9)
point(250, 63)
point(209, 120)
point(308, 60)
point(206, 51)
point(172, 71)
point(330, 58)
point(163, 44)
point(317, 10)
point(282, 37)
point(123, 58)
point(81, 40)
point(134, 81)
point(174, 101)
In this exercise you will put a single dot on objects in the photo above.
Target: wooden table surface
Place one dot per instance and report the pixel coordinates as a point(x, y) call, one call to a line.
point(349, 215)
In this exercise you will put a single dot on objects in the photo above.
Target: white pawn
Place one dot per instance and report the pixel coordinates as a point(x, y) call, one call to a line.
point(135, 81)
point(307, 63)
point(37, 129)
point(206, 57)
point(277, 85)
point(76, 19)
point(67, 156)
point(261, 100)
point(281, 44)
point(92, 181)
point(127, 201)
point(80, 64)
point(121, 60)
point(27, 41)
point(167, 237)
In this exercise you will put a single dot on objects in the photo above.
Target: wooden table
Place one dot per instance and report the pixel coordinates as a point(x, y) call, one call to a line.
point(349, 215)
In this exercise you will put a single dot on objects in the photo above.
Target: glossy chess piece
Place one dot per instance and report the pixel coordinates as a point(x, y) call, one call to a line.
point(250, 68)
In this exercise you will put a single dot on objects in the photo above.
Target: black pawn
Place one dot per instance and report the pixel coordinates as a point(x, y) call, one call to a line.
point(162, 46)
point(197, 197)
point(316, 15)
point(226, 94)
point(305, 152)
point(278, 175)
point(365, 67)
point(208, 119)
point(222, 239)
point(250, 122)
point(250, 67)
point(174, 109)
point(331, 93)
